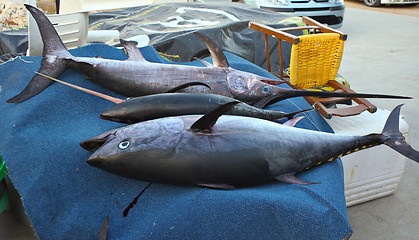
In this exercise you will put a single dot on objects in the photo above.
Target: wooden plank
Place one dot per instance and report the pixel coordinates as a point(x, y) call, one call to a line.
point(324, 28)
point(274, 32)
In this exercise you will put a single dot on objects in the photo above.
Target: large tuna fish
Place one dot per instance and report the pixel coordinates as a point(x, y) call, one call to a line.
point(229, 152)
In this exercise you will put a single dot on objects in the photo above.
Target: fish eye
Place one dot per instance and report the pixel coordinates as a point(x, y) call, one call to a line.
point(124, 144)
point(266, 89)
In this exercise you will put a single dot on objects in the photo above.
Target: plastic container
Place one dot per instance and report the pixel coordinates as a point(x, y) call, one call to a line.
point(371, 173)
point(4, 199)
point(72, 28)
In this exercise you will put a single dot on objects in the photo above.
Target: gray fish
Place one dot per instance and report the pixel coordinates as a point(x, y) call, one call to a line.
point(154, 106)
point(138, 109)
point(226, 152)
point(137, 77)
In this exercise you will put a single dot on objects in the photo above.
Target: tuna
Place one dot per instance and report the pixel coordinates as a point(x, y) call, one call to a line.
point(226, 152)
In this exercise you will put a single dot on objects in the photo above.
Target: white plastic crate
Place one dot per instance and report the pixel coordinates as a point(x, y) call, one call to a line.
point(371, 173)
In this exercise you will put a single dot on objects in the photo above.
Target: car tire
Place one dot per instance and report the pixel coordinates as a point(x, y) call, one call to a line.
point(372, 3)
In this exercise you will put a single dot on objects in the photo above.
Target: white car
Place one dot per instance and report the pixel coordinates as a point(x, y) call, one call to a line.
point(377, 3)
point(328, 12)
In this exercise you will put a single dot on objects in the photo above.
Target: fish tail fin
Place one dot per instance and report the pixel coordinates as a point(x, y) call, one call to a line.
point(38, 83)
point(54, 62)
point(394, 138)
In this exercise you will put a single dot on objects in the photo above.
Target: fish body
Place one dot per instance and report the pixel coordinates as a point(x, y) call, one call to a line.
point(135, 76)
point(140, 78)
point(235, 152)
point(154, 106)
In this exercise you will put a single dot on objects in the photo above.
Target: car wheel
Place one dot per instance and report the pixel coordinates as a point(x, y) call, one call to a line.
point(372, 3)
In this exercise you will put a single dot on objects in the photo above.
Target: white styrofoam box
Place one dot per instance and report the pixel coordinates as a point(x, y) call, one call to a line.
point(371, 173)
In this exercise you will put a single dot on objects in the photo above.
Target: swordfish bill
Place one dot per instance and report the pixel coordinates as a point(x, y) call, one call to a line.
point(135, 76)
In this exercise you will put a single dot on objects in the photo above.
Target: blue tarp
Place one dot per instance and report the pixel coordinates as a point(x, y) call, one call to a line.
point(65, 198)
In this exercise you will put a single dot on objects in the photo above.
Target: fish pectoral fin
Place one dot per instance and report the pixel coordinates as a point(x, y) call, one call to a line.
point(186, 85)
point(291, 179)
point(217, 186)
point(206, 122)
point(264, 102)
point(134, 54)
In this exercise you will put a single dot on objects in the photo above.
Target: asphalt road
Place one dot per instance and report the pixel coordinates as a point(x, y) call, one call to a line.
point(381, 55)
point(407, 10)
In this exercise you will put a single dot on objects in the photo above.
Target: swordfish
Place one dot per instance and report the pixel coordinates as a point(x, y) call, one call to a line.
point(136, 76)
point(138, 109)
point(227, 151)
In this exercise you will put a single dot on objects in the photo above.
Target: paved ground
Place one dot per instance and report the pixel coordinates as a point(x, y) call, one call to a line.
point(407, 10)
point(381, 56)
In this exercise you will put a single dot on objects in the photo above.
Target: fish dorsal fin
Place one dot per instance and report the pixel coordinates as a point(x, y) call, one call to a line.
point(186, 85)
point(206, 122)
point(205, 63)
point(134, 54)
point(217, 54)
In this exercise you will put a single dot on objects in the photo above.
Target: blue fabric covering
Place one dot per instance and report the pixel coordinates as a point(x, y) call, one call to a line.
point(65, 198)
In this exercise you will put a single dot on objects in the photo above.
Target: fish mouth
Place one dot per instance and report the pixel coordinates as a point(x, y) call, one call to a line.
point(109, 117)
point(94, 160)
point(117, 113)
point(106, 116)
point(92, 145)
point(95, 143)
